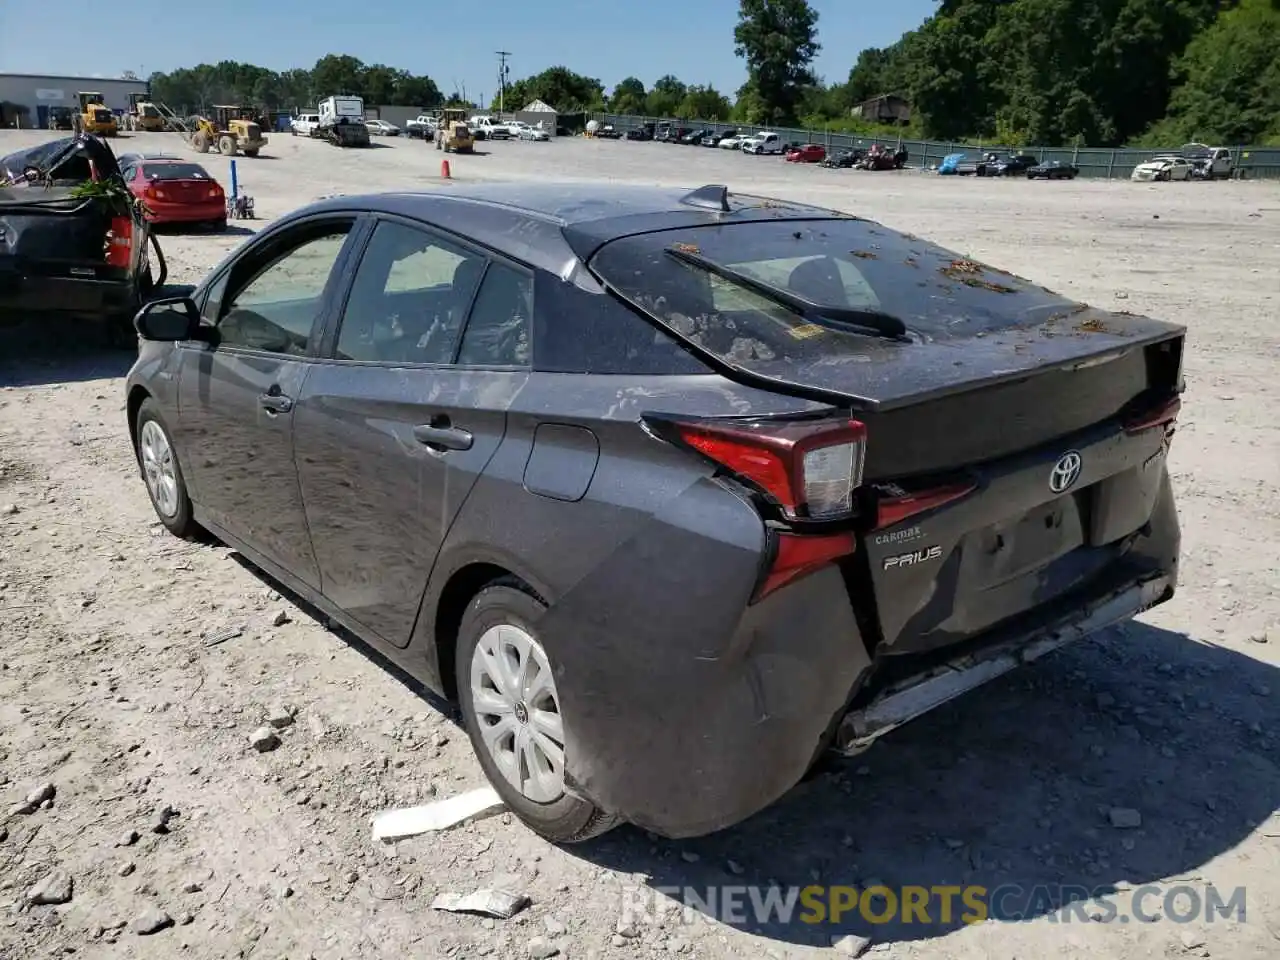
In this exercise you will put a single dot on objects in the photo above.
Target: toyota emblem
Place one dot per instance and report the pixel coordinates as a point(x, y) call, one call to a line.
point(1065, 472)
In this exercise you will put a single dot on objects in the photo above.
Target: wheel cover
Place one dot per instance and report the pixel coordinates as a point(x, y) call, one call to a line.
point(513, 694)
point(159, 468)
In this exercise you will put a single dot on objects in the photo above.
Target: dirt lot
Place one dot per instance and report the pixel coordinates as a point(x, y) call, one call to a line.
point(108, 693)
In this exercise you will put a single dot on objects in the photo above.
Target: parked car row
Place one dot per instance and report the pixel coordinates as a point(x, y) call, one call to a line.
point(1006, 165)
point(760, 143)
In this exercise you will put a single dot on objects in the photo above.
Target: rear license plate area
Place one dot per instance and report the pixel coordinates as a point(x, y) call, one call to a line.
point(1012, 548)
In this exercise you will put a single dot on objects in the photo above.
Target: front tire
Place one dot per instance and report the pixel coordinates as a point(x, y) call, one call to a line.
point(162, 473)
point(506, 689)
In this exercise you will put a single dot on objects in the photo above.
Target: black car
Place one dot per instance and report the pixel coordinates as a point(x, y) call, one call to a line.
point(697, 137)
point(843, 159)
point(1007, 166)
point(669, 491)
point(642, 132)
point(73, 241)
point(714, 139)
point(609, 132)
point(1053, 170)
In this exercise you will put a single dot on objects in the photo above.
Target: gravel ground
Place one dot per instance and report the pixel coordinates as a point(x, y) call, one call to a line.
point(1146, 755)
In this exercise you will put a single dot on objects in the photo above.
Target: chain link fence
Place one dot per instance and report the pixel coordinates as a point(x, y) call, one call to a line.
point(1255, 163)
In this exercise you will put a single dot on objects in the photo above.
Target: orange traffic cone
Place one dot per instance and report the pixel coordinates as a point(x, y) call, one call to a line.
point(444, 169)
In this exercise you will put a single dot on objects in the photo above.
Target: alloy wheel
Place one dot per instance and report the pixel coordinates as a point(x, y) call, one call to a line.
point(159, 469)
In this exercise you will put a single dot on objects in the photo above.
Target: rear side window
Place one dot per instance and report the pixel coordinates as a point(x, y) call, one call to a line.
point(580, 332)
point(497, 331)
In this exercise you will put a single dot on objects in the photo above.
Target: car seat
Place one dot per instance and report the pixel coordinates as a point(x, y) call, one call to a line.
point(819, 281)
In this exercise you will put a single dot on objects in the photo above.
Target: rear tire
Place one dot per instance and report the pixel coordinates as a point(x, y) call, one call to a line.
point(502, 618)
point(120, 333)
point(162, 473)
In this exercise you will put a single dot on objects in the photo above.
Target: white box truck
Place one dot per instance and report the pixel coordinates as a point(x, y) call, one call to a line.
point(342, 122)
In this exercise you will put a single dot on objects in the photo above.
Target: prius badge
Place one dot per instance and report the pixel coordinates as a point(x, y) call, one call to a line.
point(1065, 472)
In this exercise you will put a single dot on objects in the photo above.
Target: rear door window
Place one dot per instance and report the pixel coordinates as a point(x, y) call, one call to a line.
point(410, 297)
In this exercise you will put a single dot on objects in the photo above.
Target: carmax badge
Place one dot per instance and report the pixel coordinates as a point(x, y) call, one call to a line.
point(911, 559)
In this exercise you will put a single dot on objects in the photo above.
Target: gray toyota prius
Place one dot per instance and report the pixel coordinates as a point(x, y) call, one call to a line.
point(670, 491)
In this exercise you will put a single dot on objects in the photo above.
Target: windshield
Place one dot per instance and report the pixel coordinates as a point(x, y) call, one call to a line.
point(858, 269)
point(174, 171)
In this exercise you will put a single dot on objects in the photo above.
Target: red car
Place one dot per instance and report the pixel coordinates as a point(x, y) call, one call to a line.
point(176, 191)
point(809, 153)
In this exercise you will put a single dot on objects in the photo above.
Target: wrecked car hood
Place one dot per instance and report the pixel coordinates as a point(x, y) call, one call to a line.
point(66, 160)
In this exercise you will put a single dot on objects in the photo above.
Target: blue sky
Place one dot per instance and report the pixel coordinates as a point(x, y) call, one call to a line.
point(453, 42)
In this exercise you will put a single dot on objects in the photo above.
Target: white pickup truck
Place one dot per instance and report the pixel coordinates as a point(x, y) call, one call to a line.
point(487, 128)
point(304, 124)
point(1208, 163)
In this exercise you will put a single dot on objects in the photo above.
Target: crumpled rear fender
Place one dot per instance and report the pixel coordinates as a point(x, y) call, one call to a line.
point(686, 709)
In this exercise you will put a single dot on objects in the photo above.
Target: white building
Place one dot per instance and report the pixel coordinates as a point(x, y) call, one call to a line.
point(37, 93)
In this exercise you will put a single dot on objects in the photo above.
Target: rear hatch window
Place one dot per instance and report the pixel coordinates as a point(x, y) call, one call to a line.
point(174, 171)
point(729, 289)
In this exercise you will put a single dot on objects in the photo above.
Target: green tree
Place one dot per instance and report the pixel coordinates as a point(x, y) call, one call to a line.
point(560, 88)
point(666, 96)
point(413, 91)
point(628, 97)
point(704, 103)
point(337, 74)
point(778, 39)
point(1231, 78)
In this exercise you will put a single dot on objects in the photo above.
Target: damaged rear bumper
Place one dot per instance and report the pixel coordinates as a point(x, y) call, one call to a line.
point(23, 295)
point(919, 694)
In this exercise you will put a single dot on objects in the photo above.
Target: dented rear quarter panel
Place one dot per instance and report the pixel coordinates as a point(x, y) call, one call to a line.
point(669, 681)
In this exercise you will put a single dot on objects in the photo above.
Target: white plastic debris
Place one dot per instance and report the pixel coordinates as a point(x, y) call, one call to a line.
point(441, 815)
point(499, 904)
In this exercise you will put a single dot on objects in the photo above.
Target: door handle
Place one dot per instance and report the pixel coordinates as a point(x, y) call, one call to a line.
point(275, 403)
point(442, 437)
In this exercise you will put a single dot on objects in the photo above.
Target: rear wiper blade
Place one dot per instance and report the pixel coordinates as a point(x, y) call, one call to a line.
point(868, 321)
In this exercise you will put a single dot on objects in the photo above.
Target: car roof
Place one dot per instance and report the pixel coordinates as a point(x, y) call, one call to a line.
point(553, 224)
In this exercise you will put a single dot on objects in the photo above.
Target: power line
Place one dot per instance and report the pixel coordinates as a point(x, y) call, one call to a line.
point(502, 80)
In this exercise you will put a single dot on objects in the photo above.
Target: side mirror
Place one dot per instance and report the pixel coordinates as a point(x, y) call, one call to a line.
point(173, 319)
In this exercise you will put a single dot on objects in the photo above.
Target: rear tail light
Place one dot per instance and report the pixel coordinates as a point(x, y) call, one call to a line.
point(810, 468)
point(120, 242)
point(215, 192)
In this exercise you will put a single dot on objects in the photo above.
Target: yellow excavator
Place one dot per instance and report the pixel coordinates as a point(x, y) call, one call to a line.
point(143, 114)
point(228, 130)
point(94, 117)
point(452, 132)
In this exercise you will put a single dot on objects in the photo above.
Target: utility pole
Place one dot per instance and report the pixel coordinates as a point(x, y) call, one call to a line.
point(503, 70)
